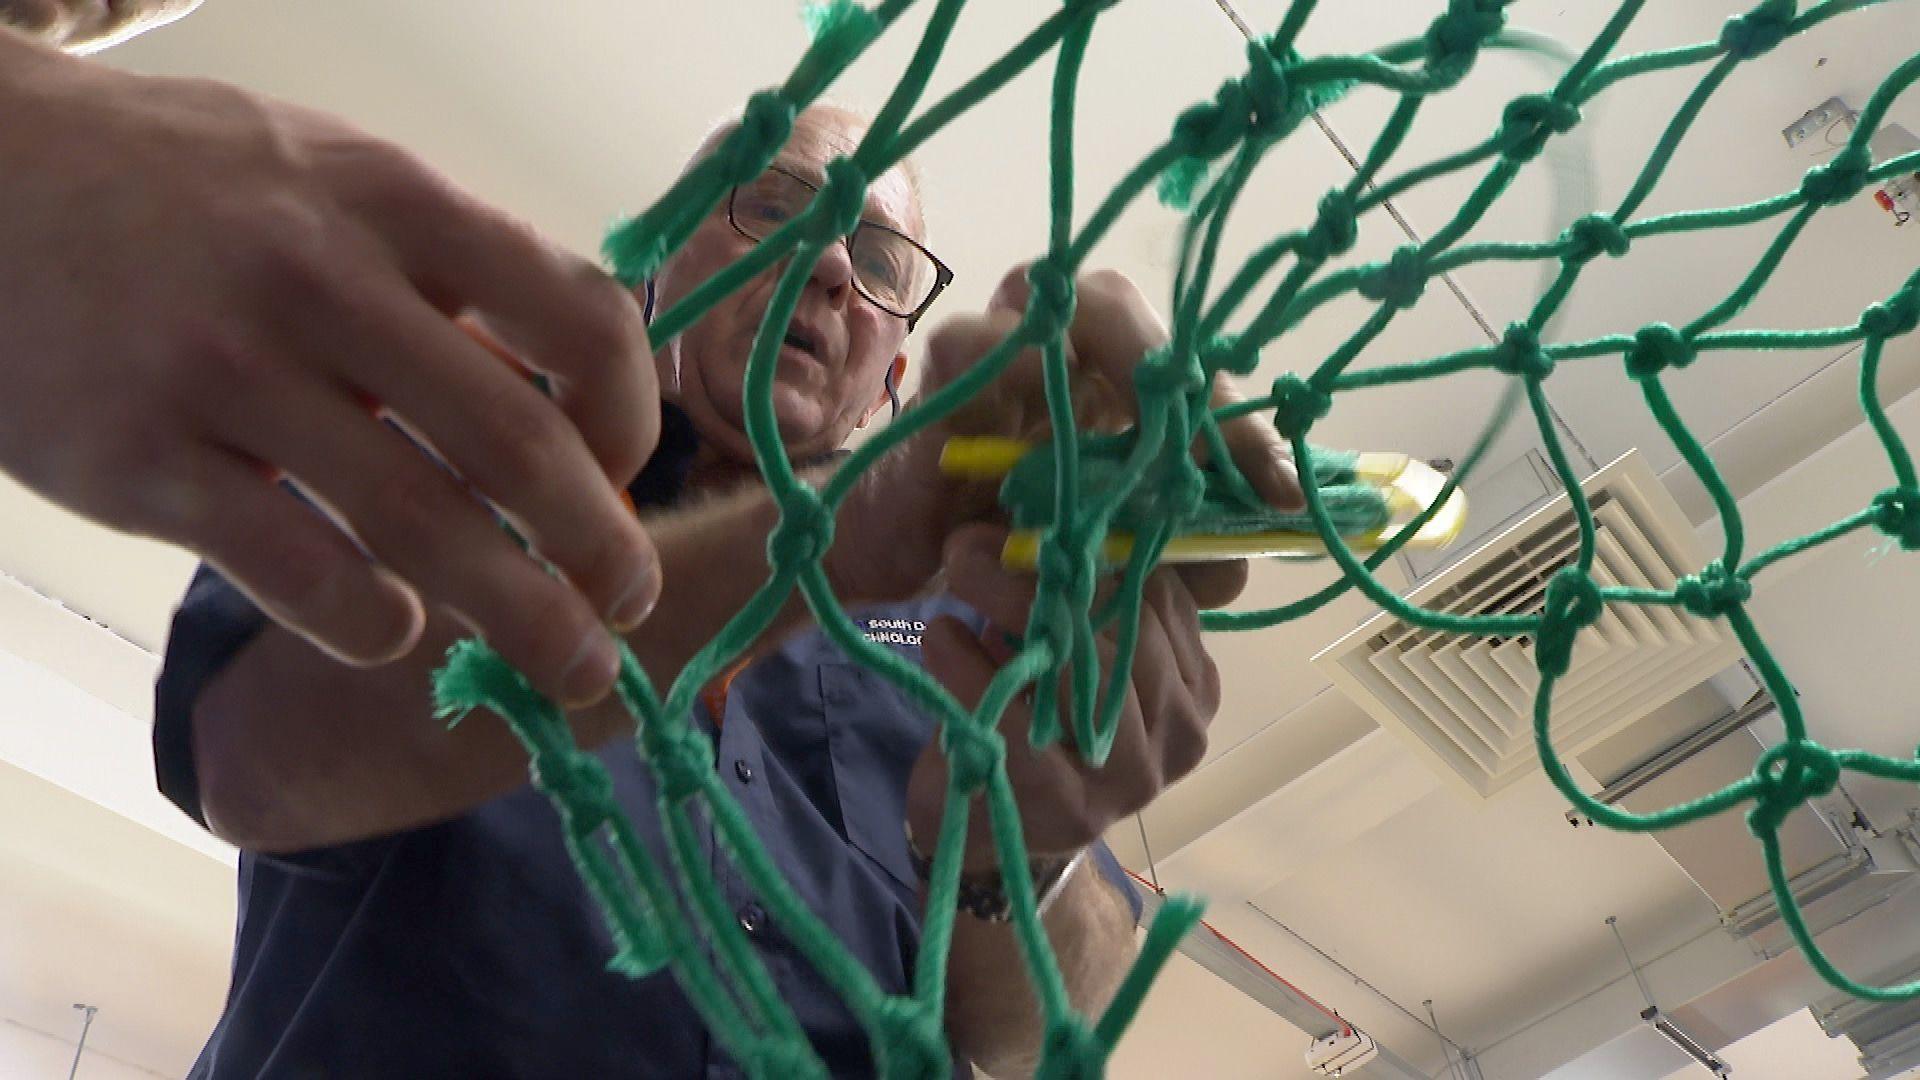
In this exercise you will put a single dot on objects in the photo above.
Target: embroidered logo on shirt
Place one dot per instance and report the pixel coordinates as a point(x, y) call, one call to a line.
point(895, 631)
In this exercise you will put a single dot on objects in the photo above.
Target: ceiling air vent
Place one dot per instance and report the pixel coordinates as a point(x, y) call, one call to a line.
point(1466, 703)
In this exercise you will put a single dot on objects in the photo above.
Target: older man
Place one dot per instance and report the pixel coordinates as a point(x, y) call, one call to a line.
point(407, 905)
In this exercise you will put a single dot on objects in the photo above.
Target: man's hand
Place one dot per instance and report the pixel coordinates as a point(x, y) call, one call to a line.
point(898, 518)
point(1066, 804)
point(1174, 693)
point(1114, 327)
point(88, 25)
point(205, 291)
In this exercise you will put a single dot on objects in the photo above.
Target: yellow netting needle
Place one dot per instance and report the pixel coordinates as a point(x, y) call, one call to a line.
point(1409, 486)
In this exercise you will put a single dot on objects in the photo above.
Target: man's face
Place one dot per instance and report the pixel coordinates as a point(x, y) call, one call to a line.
point(839, 347)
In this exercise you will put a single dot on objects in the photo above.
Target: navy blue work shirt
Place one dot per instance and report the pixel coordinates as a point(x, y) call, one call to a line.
point(470, 948)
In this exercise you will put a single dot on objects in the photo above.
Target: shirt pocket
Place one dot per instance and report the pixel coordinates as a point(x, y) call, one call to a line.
point(874, 735)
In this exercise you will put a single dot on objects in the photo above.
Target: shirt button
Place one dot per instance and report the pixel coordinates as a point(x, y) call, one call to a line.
point(743, 770)
point(751, 917)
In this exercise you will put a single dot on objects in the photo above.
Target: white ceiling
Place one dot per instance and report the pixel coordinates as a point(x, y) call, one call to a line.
point(100, 911)
point(575, 114)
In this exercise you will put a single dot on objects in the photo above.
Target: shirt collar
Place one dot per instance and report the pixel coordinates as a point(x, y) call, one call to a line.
point(664, 479)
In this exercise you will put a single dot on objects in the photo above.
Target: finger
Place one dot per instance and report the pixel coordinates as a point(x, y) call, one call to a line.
point(1175, 616)
point(1115, 326)
point(1050, 790)
point(416, 519)
point(286, 556)
point(1013, 291)
point(559, 313)
point(1015, 403)
point(1128, 777)
point(1260, 454)
point(1176, 712)
point(955, 345)
point(472, 328)
point(975, 576)
point(505, 438)
point(1214, 584)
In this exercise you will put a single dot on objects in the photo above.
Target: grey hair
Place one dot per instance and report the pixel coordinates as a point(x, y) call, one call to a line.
point(730, 123)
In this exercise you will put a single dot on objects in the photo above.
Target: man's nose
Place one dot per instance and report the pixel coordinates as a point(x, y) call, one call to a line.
point(834, 270)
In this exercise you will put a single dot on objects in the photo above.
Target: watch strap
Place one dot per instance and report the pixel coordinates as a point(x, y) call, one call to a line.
point(983, 894)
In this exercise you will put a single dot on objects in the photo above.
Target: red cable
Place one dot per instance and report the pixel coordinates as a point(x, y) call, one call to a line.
point(1346, 1029)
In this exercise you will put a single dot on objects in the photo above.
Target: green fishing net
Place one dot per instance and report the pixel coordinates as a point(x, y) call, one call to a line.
point(1149, 480)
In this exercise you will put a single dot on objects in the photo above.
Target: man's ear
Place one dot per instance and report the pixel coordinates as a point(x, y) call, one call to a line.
point(889, 390)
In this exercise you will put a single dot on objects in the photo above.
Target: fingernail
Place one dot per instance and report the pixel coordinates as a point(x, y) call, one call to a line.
point(638, 598)
point(590, 674)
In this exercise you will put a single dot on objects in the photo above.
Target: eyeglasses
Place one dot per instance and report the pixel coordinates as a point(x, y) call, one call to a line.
point(890, 268)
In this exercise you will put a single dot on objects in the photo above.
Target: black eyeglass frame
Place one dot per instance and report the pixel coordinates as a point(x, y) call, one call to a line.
point(942, 276)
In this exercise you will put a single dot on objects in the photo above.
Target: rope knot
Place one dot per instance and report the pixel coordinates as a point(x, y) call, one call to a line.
point(1789, 775)
point(1747, 36)
point(1336, 230)
point(1209, 129)
point(1897, 314)
point(910, 1040)
point(681, 758)
point(1713, 591)
point(1223, 352)
point(763, 130)
point(1839, 179)
point(1297, 404)
point(1657, 347)
point(975, 753)
point(1572, 603)
point(1529, 121)
point(1454, 39)
point(1591, 236)
point(805, 531)
point(1270, 98)
point(1399, 281)
point(1050, 627)
point(1071, 1052)
point(1050, 302)
point(1519, 353)
point(1066, 563)
point(1158, 377)
point(843, 198)
point(580, 783)
point(1896, 512)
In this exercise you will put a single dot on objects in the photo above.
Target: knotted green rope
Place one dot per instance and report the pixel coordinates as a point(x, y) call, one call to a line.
point(1149, 482)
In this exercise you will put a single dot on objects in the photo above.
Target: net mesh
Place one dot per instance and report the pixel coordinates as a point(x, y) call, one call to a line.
point(1203, 167)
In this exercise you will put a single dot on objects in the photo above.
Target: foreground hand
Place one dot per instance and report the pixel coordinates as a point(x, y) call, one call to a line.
point(1066, 804)
point(207, 290)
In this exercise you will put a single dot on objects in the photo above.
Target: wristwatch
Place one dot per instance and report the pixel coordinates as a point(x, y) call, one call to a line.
point(983, 895)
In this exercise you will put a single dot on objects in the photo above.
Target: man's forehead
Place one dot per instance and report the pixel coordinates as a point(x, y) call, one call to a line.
point(889, 197)
point(816, 141)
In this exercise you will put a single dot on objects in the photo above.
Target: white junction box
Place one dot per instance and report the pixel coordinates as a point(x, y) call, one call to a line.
point(1335, 1052)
